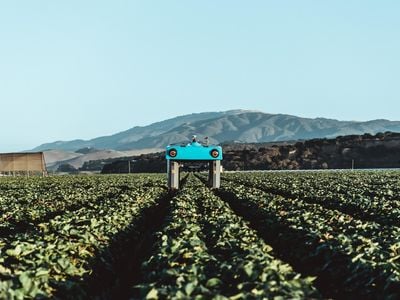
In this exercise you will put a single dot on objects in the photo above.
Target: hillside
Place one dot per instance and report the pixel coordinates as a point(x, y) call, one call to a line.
point(236, 125)
point(344, 152)
point(360, 151)
point(55, 158)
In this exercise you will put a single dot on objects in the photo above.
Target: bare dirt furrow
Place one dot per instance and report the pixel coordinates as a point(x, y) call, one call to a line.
point(118, 267)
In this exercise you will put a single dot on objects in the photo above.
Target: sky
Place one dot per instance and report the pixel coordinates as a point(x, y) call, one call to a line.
point(83, 69)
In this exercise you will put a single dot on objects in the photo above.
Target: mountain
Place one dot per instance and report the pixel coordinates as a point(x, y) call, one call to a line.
point(234, 125)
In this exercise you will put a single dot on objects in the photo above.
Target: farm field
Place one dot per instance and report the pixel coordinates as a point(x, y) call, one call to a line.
point(270, 235)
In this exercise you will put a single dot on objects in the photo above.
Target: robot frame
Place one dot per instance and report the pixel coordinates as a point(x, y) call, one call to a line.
point(193, 152)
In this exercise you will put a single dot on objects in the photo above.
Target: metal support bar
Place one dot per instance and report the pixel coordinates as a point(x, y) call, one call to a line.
point(173, 174)
point(214, 174)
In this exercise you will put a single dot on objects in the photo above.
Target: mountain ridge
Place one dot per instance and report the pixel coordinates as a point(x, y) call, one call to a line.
point(239, 125)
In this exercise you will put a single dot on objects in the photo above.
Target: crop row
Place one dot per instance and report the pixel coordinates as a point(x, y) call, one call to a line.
point(63, 255)
point(28, 202)
point(206, 251)
point(85, 237)
point(372, 196)
point(350, 257)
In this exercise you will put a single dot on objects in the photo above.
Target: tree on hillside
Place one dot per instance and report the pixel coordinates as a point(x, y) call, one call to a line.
point(68, 168)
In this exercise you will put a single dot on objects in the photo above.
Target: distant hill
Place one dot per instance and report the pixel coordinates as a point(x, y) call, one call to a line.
point(235, 125)
point(56, 158)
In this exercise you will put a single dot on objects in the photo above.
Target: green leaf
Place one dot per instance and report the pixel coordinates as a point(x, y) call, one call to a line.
point(213, 282)
point(26, 281)
point(238, 296)
point(357, 257)
point(189, 288)
point(248, 268)
point(42, 272)
point(153, 294)
point(14, 252)
point(4, 270)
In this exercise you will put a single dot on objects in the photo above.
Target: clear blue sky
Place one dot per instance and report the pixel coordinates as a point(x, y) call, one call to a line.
point(82, 69)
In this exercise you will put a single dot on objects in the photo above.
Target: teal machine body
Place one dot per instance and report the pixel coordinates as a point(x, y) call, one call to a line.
point(177, 155)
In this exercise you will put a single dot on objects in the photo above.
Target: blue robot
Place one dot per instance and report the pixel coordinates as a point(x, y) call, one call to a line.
point(193, 152)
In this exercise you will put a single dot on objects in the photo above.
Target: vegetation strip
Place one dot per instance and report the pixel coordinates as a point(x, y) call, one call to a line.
point(58, 259)
point(118, 237)
point(370, 196)
point(39, 200)
point(125, 254)
point(345, 261)
point(207, 251)
point(230, 239)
